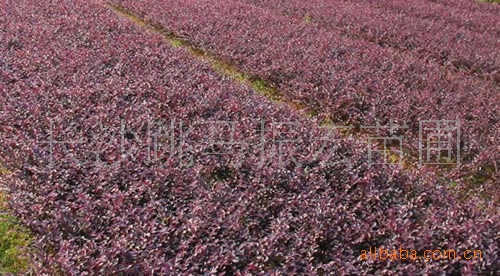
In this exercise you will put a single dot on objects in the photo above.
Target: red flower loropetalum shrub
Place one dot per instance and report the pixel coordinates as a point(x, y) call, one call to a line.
point(348, 80)
point(484, 7)
point(458, 43)
point(474, 19)
point(477, 17)
point(73, 71)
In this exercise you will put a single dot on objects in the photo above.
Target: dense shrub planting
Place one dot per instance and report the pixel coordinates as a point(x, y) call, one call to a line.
point(477, 20)
point(481, 6)
point(477, 17)
point(138, 183)
point(459, 40)
point(348, 80)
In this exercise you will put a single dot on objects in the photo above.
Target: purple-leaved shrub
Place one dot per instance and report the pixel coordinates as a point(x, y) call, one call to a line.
point(74, 72)
point(348, 80)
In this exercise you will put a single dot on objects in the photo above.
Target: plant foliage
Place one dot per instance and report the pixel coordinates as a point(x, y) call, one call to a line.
point(289, 197)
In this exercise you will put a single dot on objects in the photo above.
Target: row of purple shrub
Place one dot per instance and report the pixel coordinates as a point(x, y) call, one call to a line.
point(475, 6)
point(460, 41)
point(350, 81)
point(478, 17)
point(72, 71)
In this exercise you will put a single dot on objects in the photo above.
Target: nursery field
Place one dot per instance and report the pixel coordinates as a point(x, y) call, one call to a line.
point(250, 137)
